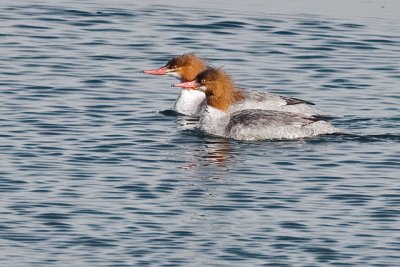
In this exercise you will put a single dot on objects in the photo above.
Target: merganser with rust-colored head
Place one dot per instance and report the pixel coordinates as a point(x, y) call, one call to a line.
point(185, 68)
point(192, 102)
point(221, 119)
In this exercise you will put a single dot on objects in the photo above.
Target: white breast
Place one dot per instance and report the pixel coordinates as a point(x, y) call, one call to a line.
point(214, 121)
point(190, 102)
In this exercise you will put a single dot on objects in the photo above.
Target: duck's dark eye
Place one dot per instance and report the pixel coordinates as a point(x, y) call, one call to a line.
point(203, 81)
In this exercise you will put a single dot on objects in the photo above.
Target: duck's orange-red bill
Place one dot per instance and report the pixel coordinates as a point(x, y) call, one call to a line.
point(191, 84)
point(160, 71)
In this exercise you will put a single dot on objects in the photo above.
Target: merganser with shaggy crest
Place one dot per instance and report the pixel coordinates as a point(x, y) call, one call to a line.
point(192, 102)
point(185, 68)
point(221, 119)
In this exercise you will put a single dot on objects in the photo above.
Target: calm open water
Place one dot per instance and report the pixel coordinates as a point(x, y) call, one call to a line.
point(93, 173)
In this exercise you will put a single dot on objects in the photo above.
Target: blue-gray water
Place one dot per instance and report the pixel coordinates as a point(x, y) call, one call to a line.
point(92, 174)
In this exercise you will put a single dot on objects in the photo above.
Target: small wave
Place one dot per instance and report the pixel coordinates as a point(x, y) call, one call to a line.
point(227, 24)
point(344, 137)
point(169, 113)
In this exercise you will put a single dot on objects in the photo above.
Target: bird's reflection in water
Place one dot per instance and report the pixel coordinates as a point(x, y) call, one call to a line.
point(218, 152)
point(212, 160)
point(187, 123)
point(209, 150)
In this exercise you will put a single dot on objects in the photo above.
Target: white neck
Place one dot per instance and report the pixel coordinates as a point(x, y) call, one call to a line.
point(190, 102)
point(214, 121)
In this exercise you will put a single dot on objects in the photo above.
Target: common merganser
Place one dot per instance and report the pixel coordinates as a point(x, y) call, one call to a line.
point(185, 68)
point(192, 102)
point(249, 124)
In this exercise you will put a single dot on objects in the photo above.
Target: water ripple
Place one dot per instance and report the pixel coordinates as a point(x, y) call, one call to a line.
point(97, 170)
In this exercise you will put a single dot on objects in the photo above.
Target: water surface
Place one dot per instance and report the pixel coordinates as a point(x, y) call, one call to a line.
point(93, 173)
